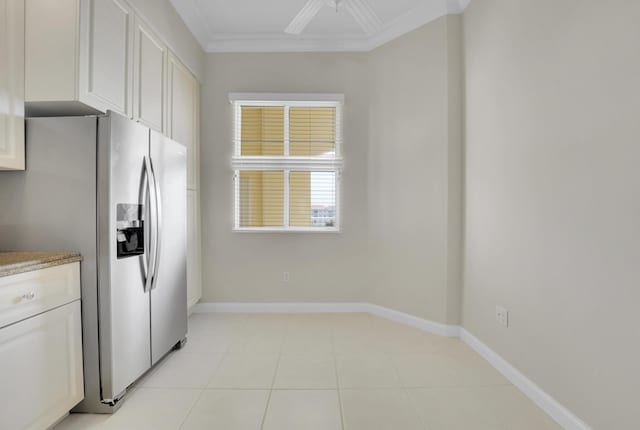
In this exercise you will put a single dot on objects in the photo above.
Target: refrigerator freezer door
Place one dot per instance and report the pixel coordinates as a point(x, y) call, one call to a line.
point(169, 289)
point(125, 348)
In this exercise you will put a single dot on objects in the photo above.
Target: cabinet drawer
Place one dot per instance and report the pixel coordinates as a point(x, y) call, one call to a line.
point(31, 293)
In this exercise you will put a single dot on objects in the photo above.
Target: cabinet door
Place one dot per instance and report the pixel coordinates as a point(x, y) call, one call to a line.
point(194, 263)
point(12, 84)
point(41, 368)
point(106, 55)
point(183, 114)
point(149, 71)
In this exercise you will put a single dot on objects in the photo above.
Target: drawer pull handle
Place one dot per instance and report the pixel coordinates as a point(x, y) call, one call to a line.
point(29, 296)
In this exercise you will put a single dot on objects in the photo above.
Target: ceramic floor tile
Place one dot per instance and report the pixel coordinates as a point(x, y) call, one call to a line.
point(411, 342)
point(475, 371)
point(82, 422)
point(303, 409)
point(514, 410)
point(311, 321)
point(391, 377)
point(228, 410)
point(266, 342)
point(144, 409)
point(454, 409)
point(366, 371)
point(245, 370)
point(207, 340)
point(483, 408)
point(470, 368)
point(425, 370)
point(311, 341)
point(183, 369)
point(381, 409)
point(354, 343)
point(272, 322)
point(306, 371)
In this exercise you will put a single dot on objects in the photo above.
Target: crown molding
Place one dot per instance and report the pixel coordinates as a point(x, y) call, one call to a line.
point(277, 43)
point(415, 18)
point(191, 14)
point(269, 42)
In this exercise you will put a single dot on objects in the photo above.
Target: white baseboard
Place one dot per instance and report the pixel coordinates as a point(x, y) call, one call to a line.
point(288, 308)
point(552, 407)
point(407, 319)
point(191, 306)
point(419, 323)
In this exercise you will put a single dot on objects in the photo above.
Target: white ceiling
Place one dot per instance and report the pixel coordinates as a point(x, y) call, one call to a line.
point(258, 25)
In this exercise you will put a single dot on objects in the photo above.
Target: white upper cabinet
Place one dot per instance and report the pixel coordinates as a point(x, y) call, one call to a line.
point(90, 56)
point(149, 77)
point(184, 107)
point(51, 39)
point(12, 85)
point(106, 55)
point(79, 57)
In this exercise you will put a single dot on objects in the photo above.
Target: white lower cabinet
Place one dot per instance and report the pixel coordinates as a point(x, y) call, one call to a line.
point(41, 373)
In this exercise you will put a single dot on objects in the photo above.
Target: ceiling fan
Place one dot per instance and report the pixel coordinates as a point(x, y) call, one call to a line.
point(359, 9)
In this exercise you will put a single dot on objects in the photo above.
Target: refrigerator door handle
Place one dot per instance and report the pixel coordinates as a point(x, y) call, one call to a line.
point(153, 223)
point(144, 186)
point(158, 226)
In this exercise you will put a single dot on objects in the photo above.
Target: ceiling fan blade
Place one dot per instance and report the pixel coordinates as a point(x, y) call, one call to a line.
point(304, 17)
point(364, 15)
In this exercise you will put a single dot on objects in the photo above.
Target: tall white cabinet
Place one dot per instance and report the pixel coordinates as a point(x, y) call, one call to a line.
point(184, 126)
point(12, 85)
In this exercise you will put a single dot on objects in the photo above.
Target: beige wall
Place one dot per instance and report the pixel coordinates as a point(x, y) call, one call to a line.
point(249, 266)
point(553, 196)
point(415, 165)
point(400, 242)
point(166, 21)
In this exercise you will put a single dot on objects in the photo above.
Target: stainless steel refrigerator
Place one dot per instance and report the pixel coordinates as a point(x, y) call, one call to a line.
point(115, 191)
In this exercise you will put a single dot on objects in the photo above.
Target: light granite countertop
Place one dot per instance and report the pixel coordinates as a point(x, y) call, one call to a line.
point(12, 263)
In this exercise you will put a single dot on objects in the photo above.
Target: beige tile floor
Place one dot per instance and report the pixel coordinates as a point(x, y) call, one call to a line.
point(318, 371)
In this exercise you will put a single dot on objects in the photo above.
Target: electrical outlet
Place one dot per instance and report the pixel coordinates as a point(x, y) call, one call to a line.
point(285, 276)
point(502, 316)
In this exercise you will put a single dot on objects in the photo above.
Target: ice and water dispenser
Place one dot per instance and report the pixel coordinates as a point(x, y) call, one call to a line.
point(130, 230)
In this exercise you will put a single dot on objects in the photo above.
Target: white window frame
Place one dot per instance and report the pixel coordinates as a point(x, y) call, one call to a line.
point(286, 163)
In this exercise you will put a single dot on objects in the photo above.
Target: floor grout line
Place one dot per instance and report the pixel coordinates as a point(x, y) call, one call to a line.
point(273, 381)
point(186, 416)
point(213, 373)
point(405, 390)
point(335, 366)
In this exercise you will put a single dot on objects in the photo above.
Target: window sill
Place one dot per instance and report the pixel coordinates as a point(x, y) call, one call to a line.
point(286, 230)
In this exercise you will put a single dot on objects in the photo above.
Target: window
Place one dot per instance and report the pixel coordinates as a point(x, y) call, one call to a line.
point(287, 161)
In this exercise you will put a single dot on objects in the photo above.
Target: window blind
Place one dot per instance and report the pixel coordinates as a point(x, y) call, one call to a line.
point(287, 164)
